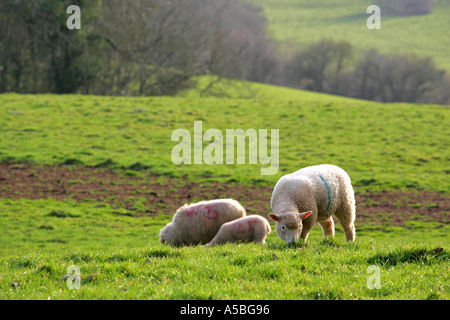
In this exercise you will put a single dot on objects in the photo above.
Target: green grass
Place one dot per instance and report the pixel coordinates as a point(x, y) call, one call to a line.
point(120, 258)
point(307, 21)
point(231, 272)
point(382, 146)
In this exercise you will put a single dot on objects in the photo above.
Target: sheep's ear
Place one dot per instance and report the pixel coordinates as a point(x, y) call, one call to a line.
point(305, 215)
point(274, 217)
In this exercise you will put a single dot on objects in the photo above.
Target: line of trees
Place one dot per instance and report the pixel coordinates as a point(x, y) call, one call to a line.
point(139, 47)
point(334, 67)
point(158, 47)
point(405, 7)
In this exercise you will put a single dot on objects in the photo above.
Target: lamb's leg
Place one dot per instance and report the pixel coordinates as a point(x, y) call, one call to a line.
point(327, 227)
point(349, 232)
point(346, 215)
point(260, 237)
point(216, 240)
point(307, 226)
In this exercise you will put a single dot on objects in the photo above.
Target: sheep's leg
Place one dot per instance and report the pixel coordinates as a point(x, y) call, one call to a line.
point(260, 237)
point(216, 240)
point(346, 216)
point(327, 227)
point(349, 232)
point(307, 226)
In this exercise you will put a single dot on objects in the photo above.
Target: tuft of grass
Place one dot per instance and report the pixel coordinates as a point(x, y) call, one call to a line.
point(415, 255)
point(72, 161)
point(62, 214)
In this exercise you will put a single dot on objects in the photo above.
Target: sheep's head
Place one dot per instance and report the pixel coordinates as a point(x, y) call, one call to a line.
point(289, 225)
point(167, 234)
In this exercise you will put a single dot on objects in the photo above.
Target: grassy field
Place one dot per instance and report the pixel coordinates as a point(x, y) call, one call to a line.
point(120, 258)
point(382, 146)
point(306, 21)
point(388, 147)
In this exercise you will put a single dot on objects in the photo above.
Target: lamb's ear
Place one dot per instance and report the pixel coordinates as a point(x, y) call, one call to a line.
point(274, 217)
point(305, 215)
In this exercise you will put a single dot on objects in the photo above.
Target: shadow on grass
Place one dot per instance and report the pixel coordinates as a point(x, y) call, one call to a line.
point(419, 256)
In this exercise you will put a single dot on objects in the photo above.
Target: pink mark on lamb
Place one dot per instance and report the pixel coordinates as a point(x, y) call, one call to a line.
point(241, 226)
point(211, 212)
point(192, 211)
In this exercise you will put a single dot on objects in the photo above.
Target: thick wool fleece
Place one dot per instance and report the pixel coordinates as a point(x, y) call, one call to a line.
point(198, 223)
point(251, 228)
point(325, 190)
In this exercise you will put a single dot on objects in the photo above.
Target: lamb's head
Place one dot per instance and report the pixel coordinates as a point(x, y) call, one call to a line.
point(167, 234)
point(289, 225)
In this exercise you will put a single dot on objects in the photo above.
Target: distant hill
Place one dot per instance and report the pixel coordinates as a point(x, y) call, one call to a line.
point(306, 21)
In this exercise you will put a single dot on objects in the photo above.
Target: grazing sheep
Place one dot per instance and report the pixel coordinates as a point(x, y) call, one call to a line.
point(313, 194)
point(251, 228)
point(199, 222)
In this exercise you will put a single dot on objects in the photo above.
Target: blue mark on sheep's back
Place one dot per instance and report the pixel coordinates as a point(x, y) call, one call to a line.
point(327, 187)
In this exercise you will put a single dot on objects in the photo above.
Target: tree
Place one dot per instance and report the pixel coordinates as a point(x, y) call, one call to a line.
point(319, 66)
point(394, 78)
point(40, 54)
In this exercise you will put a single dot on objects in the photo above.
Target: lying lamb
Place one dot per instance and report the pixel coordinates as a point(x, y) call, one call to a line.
point(198, 223)
point(313, 194)
point(252, 228)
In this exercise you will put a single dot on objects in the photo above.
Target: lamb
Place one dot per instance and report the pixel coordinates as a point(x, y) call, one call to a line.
point(313, 194)
point(198, 223)
point(253, 228)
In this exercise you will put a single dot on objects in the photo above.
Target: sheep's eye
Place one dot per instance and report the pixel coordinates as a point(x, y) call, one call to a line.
point(283, 228)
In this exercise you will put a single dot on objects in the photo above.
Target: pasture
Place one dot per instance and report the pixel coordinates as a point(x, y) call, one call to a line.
point(89, 181)
point(305, 21)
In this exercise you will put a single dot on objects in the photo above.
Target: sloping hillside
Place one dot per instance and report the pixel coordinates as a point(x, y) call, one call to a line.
point(383, 146)
point(306, 21)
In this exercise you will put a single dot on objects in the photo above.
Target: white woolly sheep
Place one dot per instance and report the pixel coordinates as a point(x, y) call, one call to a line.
point(198, 223)
point(313, 194)
point(251, 228)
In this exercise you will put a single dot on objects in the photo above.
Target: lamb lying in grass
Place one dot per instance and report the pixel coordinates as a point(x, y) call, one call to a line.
point(312, 195)
point(198, 223)
point(251, 228)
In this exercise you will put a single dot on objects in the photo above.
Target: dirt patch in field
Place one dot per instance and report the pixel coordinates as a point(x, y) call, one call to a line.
point(142, 194)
